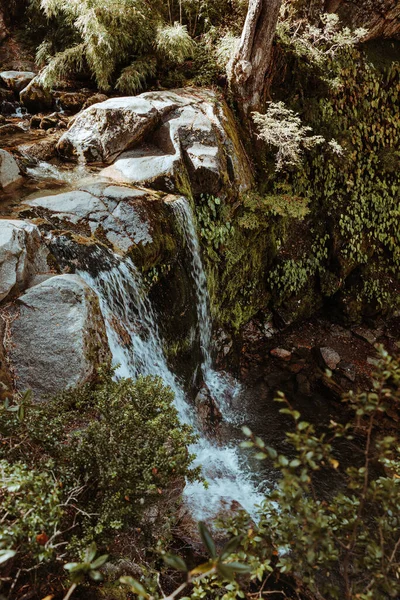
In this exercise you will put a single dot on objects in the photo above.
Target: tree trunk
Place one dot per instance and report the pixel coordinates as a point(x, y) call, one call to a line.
point(253, 57)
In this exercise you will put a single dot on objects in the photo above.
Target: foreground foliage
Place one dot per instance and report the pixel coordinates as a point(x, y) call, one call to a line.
point(87, 463)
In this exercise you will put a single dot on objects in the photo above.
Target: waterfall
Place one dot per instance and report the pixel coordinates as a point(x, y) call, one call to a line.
point(221, 387)
point(136, 346)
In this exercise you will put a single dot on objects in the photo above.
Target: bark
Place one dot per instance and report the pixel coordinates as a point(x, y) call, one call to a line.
point(253, 57)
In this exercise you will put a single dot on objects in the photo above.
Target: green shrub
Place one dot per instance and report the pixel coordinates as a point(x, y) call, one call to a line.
point(344, 544)
point(119, 443)
point(30, 512)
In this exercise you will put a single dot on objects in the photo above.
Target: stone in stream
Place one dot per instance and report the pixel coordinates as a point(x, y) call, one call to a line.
point(16, 80)
point(208, 413)
point(22, 255)
point(9, 170)
point(58, 338)
point(35, 98)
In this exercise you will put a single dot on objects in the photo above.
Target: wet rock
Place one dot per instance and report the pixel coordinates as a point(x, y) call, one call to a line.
point(10, 129)
point(6, 96)
point(95, 99)
point(40, 150)
point(49, 121)
point(328, 357)
point(35, 121)
point(35, 98)
point(281, 353)
point(129, 220)
point(73, 101)
point(58, 338)
point(224, 342)
point(208, 412)
point(21, 255)
point(9, 170)
point(16, 80)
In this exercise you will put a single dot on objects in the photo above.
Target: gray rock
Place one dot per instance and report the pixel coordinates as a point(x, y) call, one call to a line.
point(120, 214)
point(16, 80)
point(59, 337)
point(178, 137)
point(9, 170)
point(330, 357)
point(365, 334)
point(21, 255)
point(103, 131)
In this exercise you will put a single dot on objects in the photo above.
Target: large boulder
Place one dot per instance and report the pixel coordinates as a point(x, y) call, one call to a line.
point(22, 255)
point(59, 338)
point(9, 170)
point(16, 80)
point(174, 141)
point(35, 98)
point(129, 220)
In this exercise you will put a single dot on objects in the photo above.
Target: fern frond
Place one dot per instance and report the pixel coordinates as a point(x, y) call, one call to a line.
point(62, 65)
point(44, 53)
point(133, 78)
point(174, 42)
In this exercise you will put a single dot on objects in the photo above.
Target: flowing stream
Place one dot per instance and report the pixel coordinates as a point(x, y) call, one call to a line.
point(137, 348)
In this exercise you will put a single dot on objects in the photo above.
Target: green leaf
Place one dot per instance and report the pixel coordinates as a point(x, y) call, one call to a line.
point(239, 567)
point(225, 571)
point(231, 546)
point(247, 431)
point(99, 561)
point(72, 566)
point(176, 562)
point(207, 540)
point(203, 568)
point(6, 555)
point(90, 552)
point(135, 586)
point(95, 575)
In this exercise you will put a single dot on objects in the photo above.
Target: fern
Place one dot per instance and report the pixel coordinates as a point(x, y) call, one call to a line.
point(133, 78)
point(62, 65)
point(174, 42)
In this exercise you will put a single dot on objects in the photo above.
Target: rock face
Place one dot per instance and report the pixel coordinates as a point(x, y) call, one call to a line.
point(184, 141)
point(9, 170)
point(16, 80)
point(59, 336)
point(380, 17)
point(21, 255)
point(128, 220)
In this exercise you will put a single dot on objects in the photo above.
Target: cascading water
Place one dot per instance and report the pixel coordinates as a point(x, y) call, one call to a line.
point(221, 388)
point(136, 346)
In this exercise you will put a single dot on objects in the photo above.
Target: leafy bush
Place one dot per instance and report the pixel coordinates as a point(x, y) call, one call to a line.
point(346, 544)
point(30, 512)
point(87, 462)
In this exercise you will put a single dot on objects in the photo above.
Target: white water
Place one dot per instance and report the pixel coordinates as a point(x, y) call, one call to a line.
point(222, 388)
point(136, 346)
